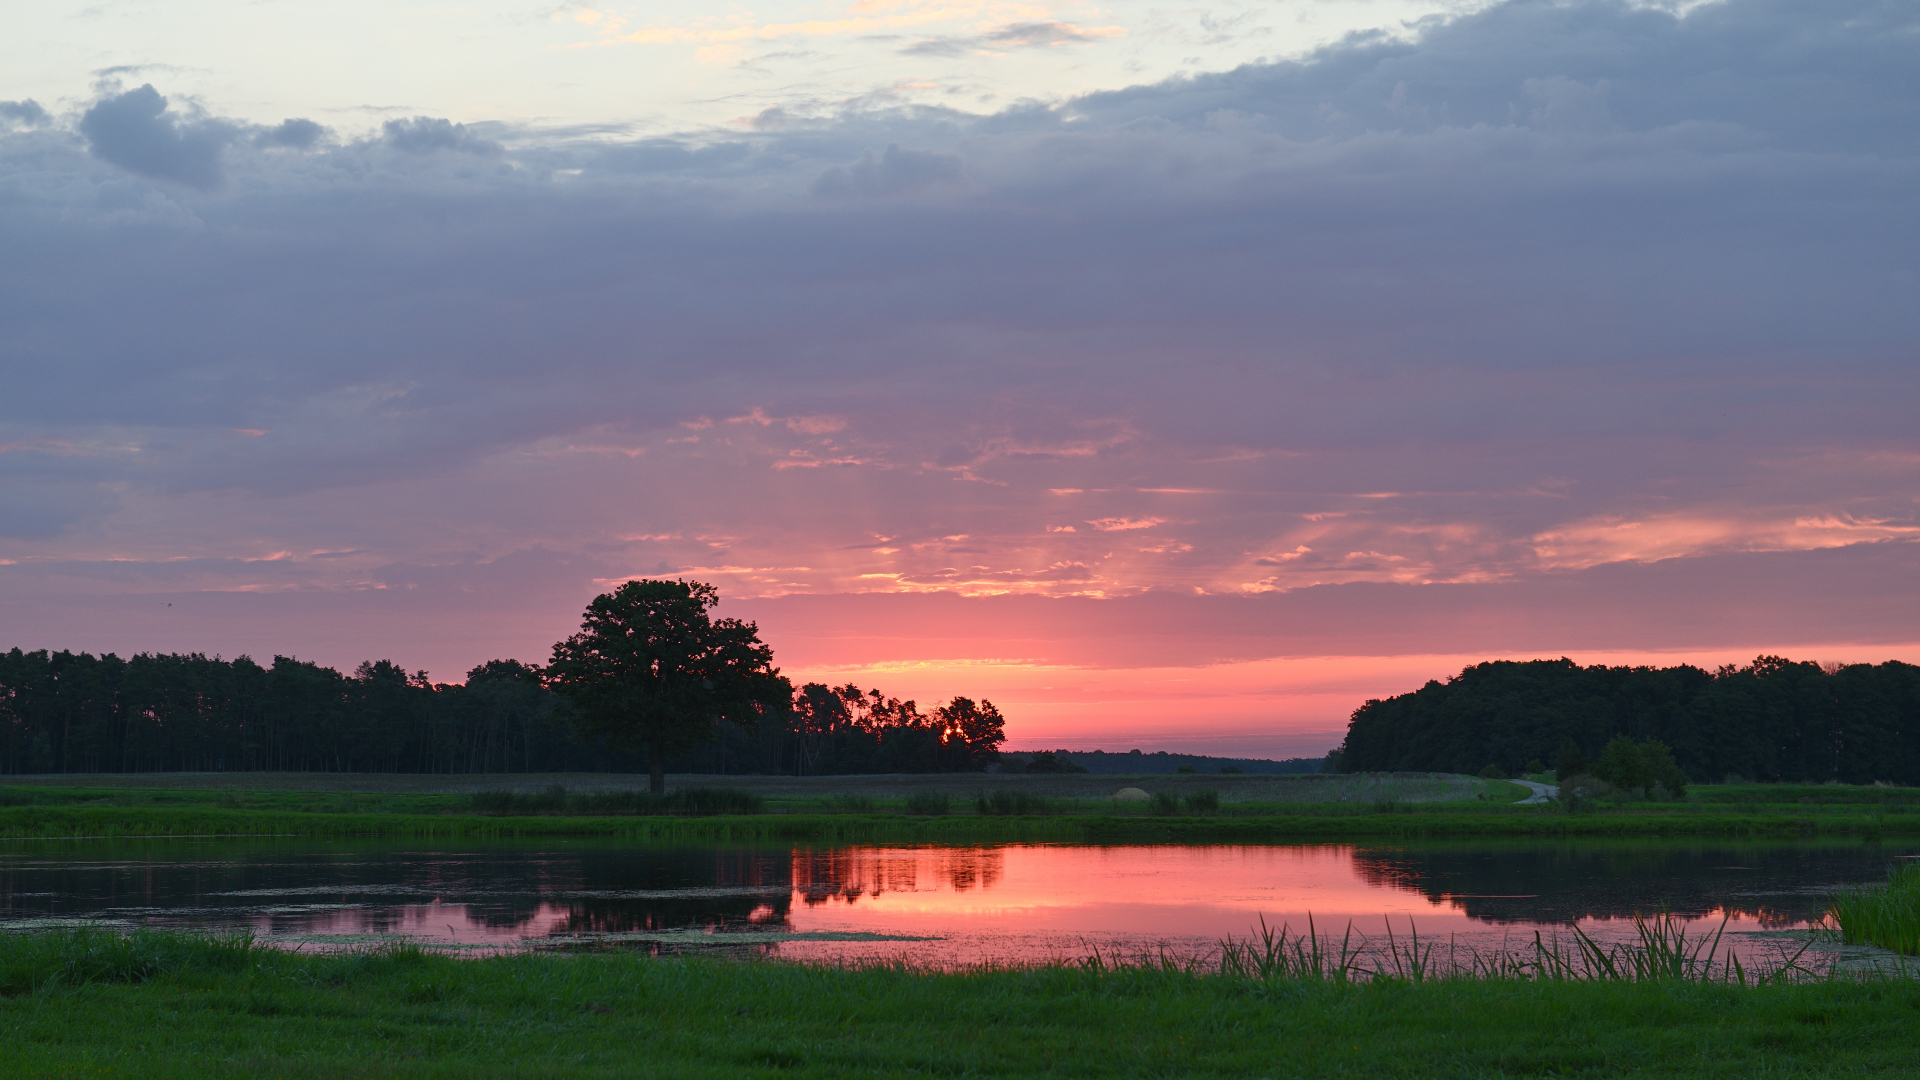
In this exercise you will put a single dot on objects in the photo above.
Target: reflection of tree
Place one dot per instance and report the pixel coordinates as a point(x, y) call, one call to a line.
point(627, 890)
point(510, 891)
point(1778, 886)
point(667, 890)
point(847, 874)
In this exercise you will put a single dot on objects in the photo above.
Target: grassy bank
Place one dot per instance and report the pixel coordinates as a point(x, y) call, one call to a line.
point(1885, 915)
point(75, 822)
point(986, 816)
point(163, 1005)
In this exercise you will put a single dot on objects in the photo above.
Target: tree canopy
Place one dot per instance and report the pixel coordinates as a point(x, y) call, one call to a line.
point(76, 712)
point(1775, 719)
point(651, 669)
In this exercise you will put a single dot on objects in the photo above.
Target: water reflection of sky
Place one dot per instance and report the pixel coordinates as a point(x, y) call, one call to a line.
point(931, 905)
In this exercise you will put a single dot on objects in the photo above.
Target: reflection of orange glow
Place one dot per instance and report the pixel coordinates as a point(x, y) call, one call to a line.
point(847, 874)
point(951, 907)
point(454, 923)
point(1048, 902)
point(1178, 891)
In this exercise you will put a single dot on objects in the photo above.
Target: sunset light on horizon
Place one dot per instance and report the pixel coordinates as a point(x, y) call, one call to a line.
point(1176, 379)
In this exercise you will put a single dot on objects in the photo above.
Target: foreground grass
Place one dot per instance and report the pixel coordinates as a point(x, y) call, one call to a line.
point(163, 1005)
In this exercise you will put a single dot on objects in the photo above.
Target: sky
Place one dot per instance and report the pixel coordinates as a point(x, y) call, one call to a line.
point(1175, 377)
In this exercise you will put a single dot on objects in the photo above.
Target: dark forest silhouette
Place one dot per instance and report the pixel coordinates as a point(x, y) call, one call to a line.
point(76, 712)
point(1773, 720)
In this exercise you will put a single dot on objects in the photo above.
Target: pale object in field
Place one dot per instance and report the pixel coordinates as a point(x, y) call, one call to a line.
point(1131, 794)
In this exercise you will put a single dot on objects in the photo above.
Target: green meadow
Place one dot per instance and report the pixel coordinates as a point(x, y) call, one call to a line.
point(78, 1003)
point(1178, 810)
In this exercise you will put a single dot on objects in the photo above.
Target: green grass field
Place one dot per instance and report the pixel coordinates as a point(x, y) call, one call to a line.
point(159, 1005)
point(1025, 815)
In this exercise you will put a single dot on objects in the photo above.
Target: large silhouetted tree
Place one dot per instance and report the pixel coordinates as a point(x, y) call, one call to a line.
point(970, 735)
point(651, 670)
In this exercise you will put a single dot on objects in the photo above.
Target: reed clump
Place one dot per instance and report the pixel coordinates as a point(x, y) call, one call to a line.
point(687, 802)
point(1201, 802)
point(1663, 950)
point(36, 963)
point(1012, 803)
point(929, 803)
point(1884, 915)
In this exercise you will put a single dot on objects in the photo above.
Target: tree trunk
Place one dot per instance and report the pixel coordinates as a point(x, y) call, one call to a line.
point(658, 784)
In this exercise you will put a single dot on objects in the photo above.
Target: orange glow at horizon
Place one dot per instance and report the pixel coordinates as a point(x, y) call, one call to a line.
point(1284, 700)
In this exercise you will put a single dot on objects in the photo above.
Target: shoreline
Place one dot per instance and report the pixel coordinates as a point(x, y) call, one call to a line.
point(67, 822)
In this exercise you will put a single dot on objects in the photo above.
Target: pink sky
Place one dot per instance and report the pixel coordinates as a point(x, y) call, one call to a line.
point(1184, 416)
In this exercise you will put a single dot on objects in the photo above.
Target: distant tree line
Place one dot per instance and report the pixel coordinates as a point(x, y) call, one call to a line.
point(76, 712)
point(1774, 720)
point(1138, 763)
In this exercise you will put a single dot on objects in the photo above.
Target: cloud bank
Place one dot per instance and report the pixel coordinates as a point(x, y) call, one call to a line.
point(1549, 291)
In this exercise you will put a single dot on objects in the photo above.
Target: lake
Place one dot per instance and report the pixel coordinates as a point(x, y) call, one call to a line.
point(936, 906)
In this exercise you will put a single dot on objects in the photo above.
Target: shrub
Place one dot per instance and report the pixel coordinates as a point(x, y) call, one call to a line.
point(1645, 768)
point(1007, 803)
point(930, 803)
point(1493, 772)
point(1047, 761)
point(689, 802)
point(1229, 770)
point(1166, 802)
point(1202, 802)
point(1188, 769)
point(1583, 792)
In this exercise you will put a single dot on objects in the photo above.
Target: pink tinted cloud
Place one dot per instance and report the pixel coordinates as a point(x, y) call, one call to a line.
point(1571, 328)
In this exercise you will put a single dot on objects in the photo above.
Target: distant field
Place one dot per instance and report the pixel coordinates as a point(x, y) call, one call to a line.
point(1298, 788)
point(949, 808)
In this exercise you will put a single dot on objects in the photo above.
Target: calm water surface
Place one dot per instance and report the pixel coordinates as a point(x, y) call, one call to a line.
point(931, 905)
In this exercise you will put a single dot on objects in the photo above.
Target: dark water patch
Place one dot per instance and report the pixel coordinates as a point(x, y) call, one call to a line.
point(1777, 886)
point(937, 905)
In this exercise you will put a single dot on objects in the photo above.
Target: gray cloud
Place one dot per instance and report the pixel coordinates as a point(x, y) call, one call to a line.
point(34, 510)
point(894, 171)
point(941, 46)
point(297, 134)
point(26, 113)
point(135, 131)
point(1036, 35)
point(1585, 272)
point(426, 134)
point(1028, 35)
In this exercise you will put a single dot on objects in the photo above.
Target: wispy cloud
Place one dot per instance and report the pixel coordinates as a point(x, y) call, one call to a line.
point(1538, 293)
